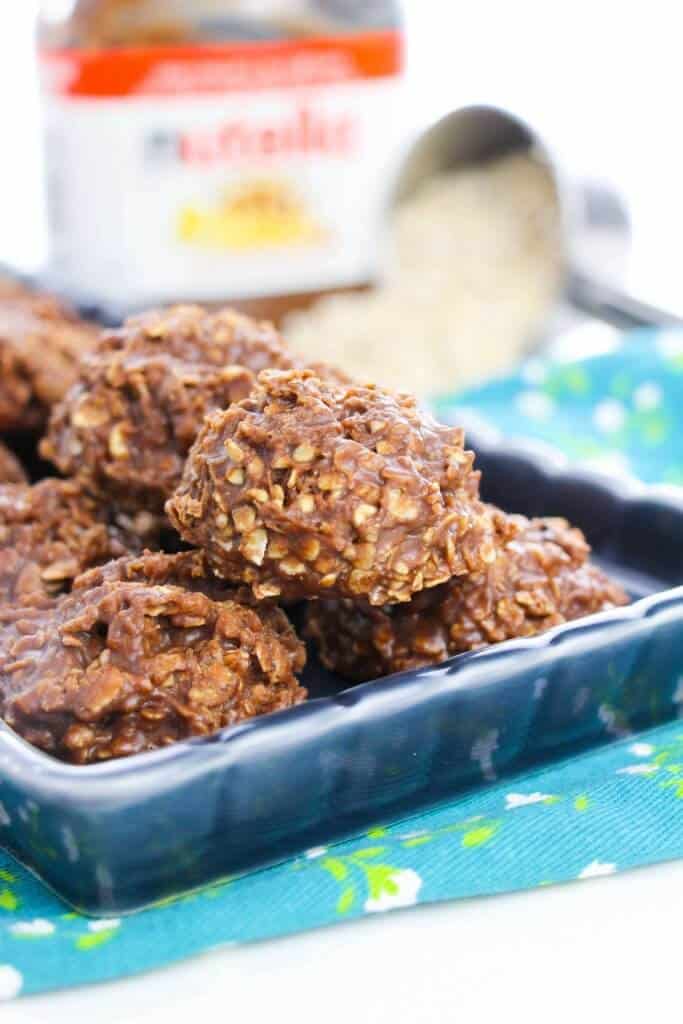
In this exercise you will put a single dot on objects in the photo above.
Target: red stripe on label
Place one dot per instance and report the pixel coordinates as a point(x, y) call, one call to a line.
point(221, 68)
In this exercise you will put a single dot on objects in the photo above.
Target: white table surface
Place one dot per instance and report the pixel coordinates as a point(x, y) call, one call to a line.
point(606, 950)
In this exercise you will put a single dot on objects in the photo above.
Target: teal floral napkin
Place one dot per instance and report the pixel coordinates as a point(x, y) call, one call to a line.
point(602, 812)
point(621, 411)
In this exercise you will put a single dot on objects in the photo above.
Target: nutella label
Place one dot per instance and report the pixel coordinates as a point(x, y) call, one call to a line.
point(219, 171)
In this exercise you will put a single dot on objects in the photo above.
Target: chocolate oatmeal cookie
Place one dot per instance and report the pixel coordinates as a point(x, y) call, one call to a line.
point(308, 489)
point(122, 668)
point(188, 569)
point(540, 578)
point(41, 344)
point(51, 532)
point(127, 425)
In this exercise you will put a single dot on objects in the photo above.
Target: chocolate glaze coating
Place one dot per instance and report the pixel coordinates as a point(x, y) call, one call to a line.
point(11, 470)
point(51, 532)
point(307, 489)
point(540, 578)
point(123, 668)
point(41, 344)
point(128, 423)
point(188, 569)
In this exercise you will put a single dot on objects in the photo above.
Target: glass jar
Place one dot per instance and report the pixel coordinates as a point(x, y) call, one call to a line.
point(218, 150)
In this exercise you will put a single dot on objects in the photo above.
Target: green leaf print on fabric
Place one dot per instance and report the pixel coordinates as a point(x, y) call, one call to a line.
point(368, 852)
point(667, 759)
point(359, 876)
point(380, 878)
point(408, 844)
point(337, 868)
point(8, 899)
point(566, 381)
point(371, 875)
point(346, 900)
point(94, 939)
point(211, 892)
point(479, 836)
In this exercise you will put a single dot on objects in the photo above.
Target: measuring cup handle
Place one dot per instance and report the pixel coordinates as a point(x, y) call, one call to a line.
point(614, 307)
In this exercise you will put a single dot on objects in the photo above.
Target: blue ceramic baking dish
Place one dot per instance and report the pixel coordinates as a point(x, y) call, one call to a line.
point(115, 837)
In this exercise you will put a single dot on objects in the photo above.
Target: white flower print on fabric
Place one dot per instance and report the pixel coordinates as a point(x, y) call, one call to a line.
point(407, 884)
point(104, 925)
point(11, 982)
point(37, 929)
point(641, 749)
point(609, 415)
point(647, 397)
point(597, 870)
point(514, 800)
point(535, 405)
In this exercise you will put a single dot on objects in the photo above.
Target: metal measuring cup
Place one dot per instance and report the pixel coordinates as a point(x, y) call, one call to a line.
point(595, 232)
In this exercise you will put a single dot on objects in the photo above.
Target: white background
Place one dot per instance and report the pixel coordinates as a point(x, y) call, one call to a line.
point(601, 81)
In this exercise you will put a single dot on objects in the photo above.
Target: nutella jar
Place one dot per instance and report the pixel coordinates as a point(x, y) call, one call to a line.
point(217, 150)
